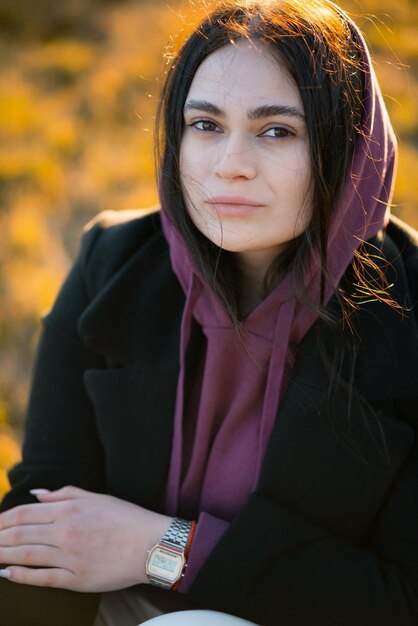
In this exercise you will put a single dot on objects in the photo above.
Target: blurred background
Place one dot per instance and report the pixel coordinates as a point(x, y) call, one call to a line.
point(79, 82)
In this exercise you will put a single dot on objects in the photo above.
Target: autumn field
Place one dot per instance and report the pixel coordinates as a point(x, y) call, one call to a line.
point(79, 83)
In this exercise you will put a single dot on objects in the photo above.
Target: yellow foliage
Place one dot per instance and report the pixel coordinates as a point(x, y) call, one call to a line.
point(408, 38)
point(407, 179)
point(9, 455)
point(3, 413)
point(16, 161)
point(72, 55)
point(31, 288)
point(34, 264)
point(18, 116)
point(34, 164)
point(62, 134)
point(106, 82)
point(26, 227)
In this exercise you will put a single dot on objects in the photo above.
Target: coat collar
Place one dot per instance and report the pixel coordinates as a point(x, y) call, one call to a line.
point(135, 313)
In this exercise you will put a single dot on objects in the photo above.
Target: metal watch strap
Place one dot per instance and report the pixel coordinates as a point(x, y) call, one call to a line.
point(174, 540)
point(177, 534)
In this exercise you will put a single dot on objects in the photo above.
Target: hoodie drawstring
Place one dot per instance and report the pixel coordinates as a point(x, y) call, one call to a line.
point(276, 378)
point(174, 478)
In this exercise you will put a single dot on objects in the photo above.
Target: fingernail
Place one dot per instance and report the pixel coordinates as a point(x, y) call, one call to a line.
point(5, 573)
point(36, 492)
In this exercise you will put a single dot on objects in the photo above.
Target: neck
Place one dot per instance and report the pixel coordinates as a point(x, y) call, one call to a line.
point(250, 271)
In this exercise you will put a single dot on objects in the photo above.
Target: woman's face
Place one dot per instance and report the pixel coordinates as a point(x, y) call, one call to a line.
point(244, 158)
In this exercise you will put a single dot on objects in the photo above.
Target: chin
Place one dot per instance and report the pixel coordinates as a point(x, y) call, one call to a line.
point(226, 243)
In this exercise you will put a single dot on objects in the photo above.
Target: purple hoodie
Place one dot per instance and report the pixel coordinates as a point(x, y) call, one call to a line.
point(221, 436)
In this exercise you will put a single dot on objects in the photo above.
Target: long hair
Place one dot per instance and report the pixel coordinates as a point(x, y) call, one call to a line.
point(316, 47)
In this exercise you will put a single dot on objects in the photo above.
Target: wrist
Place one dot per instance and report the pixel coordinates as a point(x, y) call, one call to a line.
point(149, 533)
point(186, 554)
point(167, 559)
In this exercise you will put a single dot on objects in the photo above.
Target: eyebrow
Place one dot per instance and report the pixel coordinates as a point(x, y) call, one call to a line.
point(266, 110)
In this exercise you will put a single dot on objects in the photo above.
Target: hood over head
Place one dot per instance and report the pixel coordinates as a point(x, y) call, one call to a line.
point(360, 213)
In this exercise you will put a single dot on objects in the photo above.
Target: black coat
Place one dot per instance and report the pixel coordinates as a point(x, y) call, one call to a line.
point(329, 538)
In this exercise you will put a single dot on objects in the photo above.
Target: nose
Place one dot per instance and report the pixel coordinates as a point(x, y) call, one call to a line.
point(235, 159)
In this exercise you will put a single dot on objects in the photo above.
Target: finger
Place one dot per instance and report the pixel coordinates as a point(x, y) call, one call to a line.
point(48, 556)
point(38, 513)
point(27, 534)
point(48, 577)
point(65, 493)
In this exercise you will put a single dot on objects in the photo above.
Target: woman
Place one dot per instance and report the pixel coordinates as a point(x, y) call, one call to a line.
point(231, 382)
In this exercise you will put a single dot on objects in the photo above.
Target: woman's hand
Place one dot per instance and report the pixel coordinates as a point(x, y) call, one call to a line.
point(79, 540)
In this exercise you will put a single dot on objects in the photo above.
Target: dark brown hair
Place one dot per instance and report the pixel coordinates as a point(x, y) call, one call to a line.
point(316, 47)
point(315, 42)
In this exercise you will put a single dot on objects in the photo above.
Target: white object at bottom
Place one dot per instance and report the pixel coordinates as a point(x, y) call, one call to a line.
point(197, 618)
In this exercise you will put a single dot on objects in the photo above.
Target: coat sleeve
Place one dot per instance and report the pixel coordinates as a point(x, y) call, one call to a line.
point(274, 566)
point(61, 440)
point(60, 447)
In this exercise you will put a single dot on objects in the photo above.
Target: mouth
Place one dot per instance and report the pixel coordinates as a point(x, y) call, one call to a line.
point(233, 201)
point(233, 205)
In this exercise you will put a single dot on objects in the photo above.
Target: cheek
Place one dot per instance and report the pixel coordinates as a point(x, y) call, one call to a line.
point(196, 159)
point(303, 219)
point(304, 183)
point(305, 202)
point(183, 165)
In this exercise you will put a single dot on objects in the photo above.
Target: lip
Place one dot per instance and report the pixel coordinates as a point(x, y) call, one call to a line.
point(234, 201)
point(233, 206)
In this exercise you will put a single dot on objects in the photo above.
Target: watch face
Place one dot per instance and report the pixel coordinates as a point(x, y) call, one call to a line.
point(165, 564)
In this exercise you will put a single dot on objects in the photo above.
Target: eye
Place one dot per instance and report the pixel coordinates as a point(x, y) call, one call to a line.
point(205, 126)
point(277, 132)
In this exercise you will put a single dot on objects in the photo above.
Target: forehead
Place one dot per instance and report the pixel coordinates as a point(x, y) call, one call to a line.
point(244, 74)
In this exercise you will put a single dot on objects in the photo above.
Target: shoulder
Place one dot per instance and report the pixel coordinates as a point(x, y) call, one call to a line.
point(113, 238)
point(119, 233)
point(122, 223)
point(115, 246)
point(132, 297)
point(385, 317)
point(394, 265)
point(405, 239)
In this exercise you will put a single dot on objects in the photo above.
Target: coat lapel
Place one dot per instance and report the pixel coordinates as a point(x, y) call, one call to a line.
point(134, 397)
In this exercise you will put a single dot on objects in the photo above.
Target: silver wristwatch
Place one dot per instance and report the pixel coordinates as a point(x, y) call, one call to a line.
point(166, 561)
